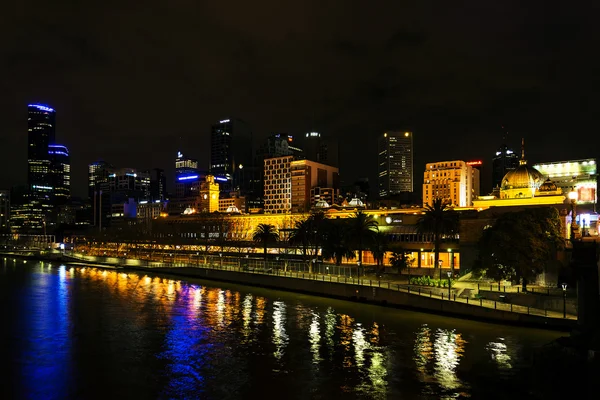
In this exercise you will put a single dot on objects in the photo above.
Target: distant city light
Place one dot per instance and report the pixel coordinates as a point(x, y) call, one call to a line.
point(58, 152)
point(41, 107)
point(223, 121)
point(479, 162)
point(179, 155)
point(218, 178)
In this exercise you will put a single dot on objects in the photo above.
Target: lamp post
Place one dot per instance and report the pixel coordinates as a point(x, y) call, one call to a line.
point(221, 260)
point(564, 288)
point(573, 198)
point(358, 271)
point(451, 260)
point(440, 262)
point(449, 283)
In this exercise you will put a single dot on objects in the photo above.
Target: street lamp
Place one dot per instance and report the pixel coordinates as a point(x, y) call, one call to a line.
point(358, 271)
point(221, 260)
point(573, 198)
point(564, 288)
point(449, 283)
point(440, 262)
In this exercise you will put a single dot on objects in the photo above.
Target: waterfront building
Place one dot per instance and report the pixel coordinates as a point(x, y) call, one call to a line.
point(456, 182)
point(395, 163)
point(60, 174)
point(308, 175)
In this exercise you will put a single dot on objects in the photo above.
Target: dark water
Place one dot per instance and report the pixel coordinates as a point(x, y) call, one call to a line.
point(90, 333)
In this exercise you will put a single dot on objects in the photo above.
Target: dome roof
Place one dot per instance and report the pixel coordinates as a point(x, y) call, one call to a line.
point(523, 176)
point(322, 204)
point(355, 202)
point(548, 186)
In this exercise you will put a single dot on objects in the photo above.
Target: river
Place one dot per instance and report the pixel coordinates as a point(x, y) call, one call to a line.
point(79, 333)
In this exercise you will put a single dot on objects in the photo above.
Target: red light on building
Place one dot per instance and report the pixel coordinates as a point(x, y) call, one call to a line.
point(474, 163)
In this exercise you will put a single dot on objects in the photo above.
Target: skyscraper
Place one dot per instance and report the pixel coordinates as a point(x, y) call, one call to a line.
point(187, 176)
point(158, 185)
point(97, 171)
point(317, 148)
point(4, 211)
point(231, 155)
point(41, 124)
point(504, 160)
point(395, 163)
point(60, 173)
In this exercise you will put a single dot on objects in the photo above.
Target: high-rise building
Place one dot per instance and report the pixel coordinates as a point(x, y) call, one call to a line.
point(231, 154)
point(455, 182)
point(310, 180)
point(158, 184)
point(278, 185)
point(60, 173)
point(319, 149)
point(4, 211)
point(504, 160)
point(395, 163)
point(187, 177)
point(41, 124)
point(97, 171)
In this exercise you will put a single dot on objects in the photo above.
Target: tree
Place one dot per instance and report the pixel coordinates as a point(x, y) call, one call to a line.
point(400, 261)
point(378, 246)
point(265, 234)
point(440, 220)
point(520, 244)
point(309, 234)
point(336, 244)
point(361, 228)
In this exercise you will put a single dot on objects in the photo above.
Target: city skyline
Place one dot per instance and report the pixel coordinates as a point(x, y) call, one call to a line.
point(453, 78)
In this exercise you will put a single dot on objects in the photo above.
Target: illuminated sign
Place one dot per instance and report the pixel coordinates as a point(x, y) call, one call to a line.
point(179, 155)
point(472, 163)
point(188, 177)
point(218, 178)
point(223, 121)
point(58, 152)
point(41, 107)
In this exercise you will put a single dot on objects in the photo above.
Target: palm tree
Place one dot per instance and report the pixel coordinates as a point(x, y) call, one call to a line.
point(336, 244)
point(265, 234)
point(378, 247)
point(308, 234)
point(401, 261)
point(439, 219)
point(300, 236)
point(361, 228)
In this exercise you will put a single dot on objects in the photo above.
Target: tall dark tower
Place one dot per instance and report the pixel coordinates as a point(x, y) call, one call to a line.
point(395, 159)
point(231, 155)
point(60, 173)
point(504, 160)
point(41, 123)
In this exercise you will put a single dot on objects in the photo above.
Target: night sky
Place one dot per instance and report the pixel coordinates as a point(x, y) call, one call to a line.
point(132, 84)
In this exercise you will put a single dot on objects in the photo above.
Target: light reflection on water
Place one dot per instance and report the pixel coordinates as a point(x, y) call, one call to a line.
point(187, 340)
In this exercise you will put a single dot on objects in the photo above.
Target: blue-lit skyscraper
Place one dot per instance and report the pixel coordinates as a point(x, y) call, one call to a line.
point(41, 123)
point(60, 173)
point(187, 177)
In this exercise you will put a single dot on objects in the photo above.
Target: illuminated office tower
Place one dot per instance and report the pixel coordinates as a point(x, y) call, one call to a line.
point(187, 177)
point(41, 124)
point(231, 154)
point(278, 185)
point(395, 169)
point(97, 172)
point(60, 173)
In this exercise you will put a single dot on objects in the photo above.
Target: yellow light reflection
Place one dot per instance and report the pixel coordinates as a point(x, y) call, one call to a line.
point(360, 344)
point(315, 338)
point(247, 315)
point(280, 337)
point(448, 349)
point(330, 320)
point(498, 352)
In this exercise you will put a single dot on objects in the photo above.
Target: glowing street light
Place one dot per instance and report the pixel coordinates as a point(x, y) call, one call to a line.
point(564, 288)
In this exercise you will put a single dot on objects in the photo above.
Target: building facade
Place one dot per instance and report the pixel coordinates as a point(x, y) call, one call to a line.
point(307, 175)
point(573, 175)
point(60, 173)
point(231, 152)
point(319, 149)
point(158, 185)
point(97, 172)
point(4, 210)
point(504, 160)
point(395, 163)
point(456, 182)
point(187, 177)
point(278, 185)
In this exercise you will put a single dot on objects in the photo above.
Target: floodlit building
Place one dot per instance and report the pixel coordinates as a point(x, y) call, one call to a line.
point(60, 173)
point(306, 176)
point(456, 182)
point(278, 185)
point(573, 175)
point(395, 163)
